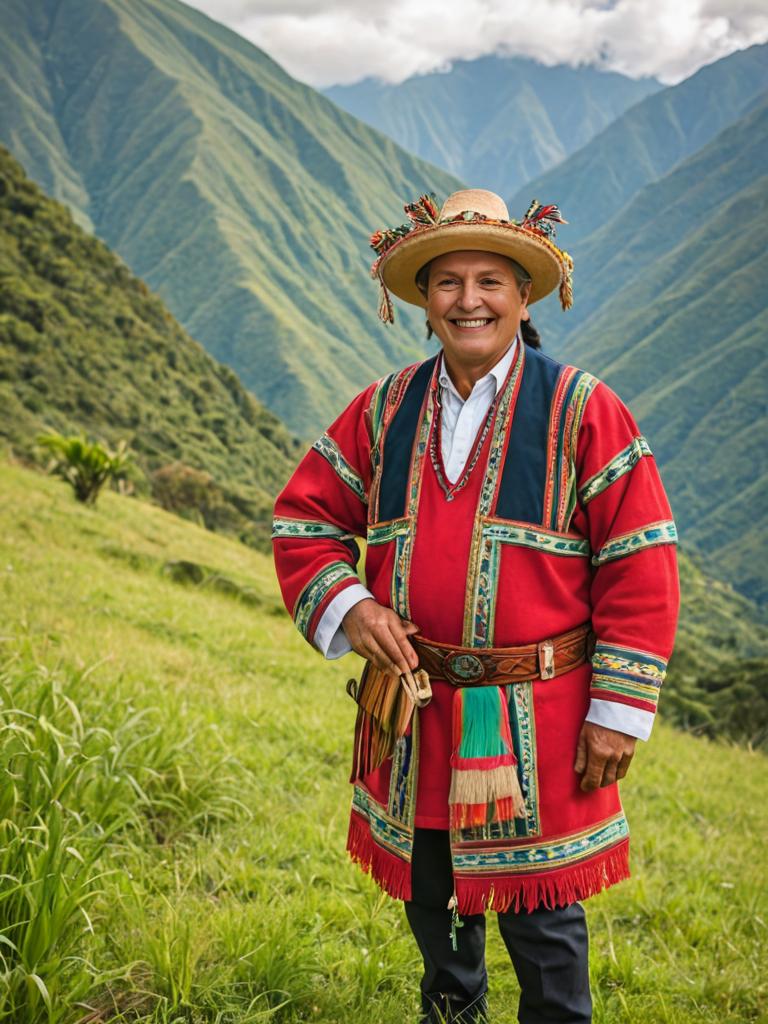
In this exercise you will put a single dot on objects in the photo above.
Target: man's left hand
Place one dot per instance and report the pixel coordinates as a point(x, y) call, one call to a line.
point(602, 755)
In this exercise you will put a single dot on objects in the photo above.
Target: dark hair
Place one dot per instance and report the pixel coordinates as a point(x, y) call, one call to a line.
point(529, 333)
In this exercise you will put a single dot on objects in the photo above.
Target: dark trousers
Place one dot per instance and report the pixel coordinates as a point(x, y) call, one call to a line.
point(548, 949)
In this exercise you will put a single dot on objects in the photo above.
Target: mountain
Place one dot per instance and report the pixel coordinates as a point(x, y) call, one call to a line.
point(495, 122)
point(85, 347)
point(667, 218)
point(673, 313)
point(242, 197)
point(646, 142)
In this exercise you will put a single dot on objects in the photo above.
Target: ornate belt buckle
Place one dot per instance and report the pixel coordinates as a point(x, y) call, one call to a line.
point(460, 667)
point(546, 650)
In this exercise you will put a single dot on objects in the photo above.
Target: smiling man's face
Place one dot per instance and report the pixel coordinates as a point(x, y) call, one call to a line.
point(474, 304)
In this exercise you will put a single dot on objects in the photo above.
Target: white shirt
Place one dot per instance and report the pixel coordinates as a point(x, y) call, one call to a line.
point(460, 421)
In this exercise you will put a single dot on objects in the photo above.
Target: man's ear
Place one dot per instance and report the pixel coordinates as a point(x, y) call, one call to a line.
point(525, 291)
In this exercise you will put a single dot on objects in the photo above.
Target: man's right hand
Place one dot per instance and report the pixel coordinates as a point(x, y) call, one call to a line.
point(380, 635)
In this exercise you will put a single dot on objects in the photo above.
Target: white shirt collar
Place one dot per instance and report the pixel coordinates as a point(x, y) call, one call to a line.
point(498, 372)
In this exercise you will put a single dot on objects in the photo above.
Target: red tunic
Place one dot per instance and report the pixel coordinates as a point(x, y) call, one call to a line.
point(559, 517)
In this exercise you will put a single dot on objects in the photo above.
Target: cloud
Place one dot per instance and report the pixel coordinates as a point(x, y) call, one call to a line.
point(342, 41)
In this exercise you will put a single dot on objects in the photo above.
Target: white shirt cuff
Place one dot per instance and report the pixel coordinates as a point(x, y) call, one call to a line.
point(621, 717)
point(330, 639)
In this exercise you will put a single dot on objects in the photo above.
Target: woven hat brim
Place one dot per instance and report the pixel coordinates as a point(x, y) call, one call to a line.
point(399, 265)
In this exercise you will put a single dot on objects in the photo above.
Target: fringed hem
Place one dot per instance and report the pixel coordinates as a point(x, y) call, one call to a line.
point(550, 889)
point(387, 870)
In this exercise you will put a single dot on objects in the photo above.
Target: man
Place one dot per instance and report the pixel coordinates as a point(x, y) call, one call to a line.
point(520, 549)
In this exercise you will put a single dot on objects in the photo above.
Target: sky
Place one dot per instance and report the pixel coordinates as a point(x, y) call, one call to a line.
point(343, 41)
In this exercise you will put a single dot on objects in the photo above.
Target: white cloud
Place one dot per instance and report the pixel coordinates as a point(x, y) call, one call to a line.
point(343, 41)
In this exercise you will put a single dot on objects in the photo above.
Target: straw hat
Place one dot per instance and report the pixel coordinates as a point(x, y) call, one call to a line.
point(470, 219)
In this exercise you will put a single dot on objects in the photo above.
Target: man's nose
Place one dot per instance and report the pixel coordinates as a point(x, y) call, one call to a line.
point(469, 298)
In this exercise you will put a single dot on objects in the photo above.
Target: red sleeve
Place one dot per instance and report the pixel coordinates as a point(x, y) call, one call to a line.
point(319, 512)
point(624, 511)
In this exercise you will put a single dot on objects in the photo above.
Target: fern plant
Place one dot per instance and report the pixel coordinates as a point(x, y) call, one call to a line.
point(86, 465)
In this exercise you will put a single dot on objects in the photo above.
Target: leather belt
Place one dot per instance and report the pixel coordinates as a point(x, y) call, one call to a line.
point(496, 666)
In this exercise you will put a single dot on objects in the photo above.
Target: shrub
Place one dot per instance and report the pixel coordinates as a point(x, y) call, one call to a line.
point(86, 465)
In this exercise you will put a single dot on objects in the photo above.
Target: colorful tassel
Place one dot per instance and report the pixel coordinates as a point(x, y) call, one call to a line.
point(386, 308)
point(566, 282)
point(424, 210)
point(383, 240)
point(543, 218)
point(484, 783)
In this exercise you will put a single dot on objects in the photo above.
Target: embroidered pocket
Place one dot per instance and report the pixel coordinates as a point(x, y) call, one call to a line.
point(523, 729)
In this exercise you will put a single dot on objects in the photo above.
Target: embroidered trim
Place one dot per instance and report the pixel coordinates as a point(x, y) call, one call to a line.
point(401, 532)
point(566, 414)
point(627, 672)
point(313, 593)
point(482, 569)
point(663, 532)
point(620, 464)
point(377, 407)
point(401, 804)
point(383, 533)
point(402, 571)
point(565, 506)
point(420, 447)
point(500, 434)
point(538, 537)
point(495, 532)
point(523, 725)
point(386, 831)
point(532, 855)
point(404, 537)
point(331, 452)
point(385, 402)
point(554, 444)
point(282, 526)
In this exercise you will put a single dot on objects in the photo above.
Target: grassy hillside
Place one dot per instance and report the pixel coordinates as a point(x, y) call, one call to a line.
point(244, 198)
point(646, 142)
point(84, 346)
point(495, 122)
point(178, 759)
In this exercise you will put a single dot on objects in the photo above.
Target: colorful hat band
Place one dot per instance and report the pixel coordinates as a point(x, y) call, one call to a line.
point(529, 241)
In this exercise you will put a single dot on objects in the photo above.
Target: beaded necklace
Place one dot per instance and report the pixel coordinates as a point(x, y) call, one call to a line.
point(436, 445)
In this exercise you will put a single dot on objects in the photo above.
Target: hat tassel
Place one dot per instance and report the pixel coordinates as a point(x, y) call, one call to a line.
point(386, 309)
point(566, 283)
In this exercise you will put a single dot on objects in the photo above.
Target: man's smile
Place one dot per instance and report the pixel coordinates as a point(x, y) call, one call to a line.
point(474, 324)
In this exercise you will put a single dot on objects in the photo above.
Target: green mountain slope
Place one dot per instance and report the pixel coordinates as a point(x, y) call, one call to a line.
point(84, 346)
point(673, 313)
point(646, 142)
point(495, 122)
point(244, 198)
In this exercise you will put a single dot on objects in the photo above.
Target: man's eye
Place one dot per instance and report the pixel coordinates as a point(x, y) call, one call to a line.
point(445, 281)
point(490, 280)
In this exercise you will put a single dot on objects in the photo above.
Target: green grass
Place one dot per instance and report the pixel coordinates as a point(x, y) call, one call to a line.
point(176, 807)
